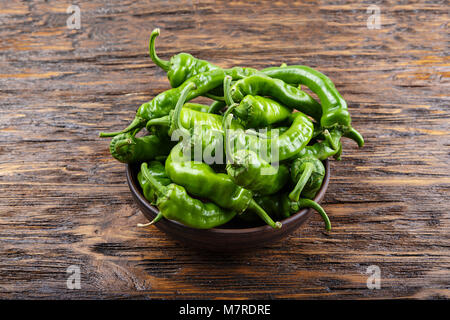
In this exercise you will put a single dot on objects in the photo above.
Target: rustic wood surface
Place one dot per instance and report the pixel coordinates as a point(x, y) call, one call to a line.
point(65, 201)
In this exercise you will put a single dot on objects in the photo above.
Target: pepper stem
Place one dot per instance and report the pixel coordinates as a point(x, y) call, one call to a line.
point(163, 64)
point(226, 89)
point(355, 136)
point(158, 217)
point(176, 117)
point(214, 97)
point(121, 144)
point(333, 140)
point(137, 123)
point(163, 121)
point(307, 203)
point(306, 174)
point(226, 124)
point(159, 188)
point(263, 215)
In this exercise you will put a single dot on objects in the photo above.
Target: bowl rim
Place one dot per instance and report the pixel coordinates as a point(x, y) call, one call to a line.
point(136, 191)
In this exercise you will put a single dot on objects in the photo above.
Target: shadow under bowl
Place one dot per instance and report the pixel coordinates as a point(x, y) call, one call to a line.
point(230, 237)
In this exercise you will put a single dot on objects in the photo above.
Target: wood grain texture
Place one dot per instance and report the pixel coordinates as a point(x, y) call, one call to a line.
point(64, 200)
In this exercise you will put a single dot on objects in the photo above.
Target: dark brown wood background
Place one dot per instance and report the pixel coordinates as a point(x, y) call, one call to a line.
point(65, 201)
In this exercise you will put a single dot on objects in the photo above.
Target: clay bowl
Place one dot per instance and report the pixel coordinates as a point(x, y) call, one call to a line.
point(230, 237)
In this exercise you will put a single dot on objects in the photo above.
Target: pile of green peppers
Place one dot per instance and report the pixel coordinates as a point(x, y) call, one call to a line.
point(268, 139)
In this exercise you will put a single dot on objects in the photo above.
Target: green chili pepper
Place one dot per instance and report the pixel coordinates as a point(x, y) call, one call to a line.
point(128, 149)
point(320, 150)
point(164, 102)
point(204, 129)
point(334, 108)
point(283, 147)
point(279, 206)
point(183, 66)
point(200, 180)
point(182, 117)
point(157, 171)
point(256, 111)
point(290, 96)
point(175, 204)
point(247, 170)
point(308, 173)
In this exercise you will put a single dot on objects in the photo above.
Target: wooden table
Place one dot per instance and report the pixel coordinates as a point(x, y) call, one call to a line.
point(65, 201)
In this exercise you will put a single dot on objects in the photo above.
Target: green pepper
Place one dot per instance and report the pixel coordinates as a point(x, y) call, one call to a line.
point(247, 170)
point(174, 203)
point(334, 108)
point(188, 118)
point(203, 129)
point(200, 180)
point(279, 206)
point(128, 149)
point(164, 102)
point(308, 171)
point(157, 171)
point(290, 96)
point(282, 147)
point(256, 111)
point(183, 66)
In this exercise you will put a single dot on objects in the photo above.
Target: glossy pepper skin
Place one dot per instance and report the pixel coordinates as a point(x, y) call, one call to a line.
point(202, 129)
point(196, 106)
point(174, 203)
point(282, 147)
point(189, 118)
point(289, 96)
point(308, 171)
point(200, 180)
point(164, 102)
point(279, 206)
point(260, 112)
point(334, 107)
point(183, 66)
point(127, 148)
point(157, 171)
point(249, 171)
point(256, 111)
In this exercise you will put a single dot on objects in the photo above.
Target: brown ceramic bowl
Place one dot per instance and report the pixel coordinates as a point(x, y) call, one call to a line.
point(230, 237)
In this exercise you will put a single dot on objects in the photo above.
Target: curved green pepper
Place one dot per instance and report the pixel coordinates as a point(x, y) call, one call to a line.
point(279, 206)
point(273, 149)
point(334, 108)
point(247, 170)
point(157, 171)
point(200, 180)
point(256, 111)
point(183, 66)
point(308, 173)
point(174, 203)
point(259, 112)
point(290, 96)
point(128, 149)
